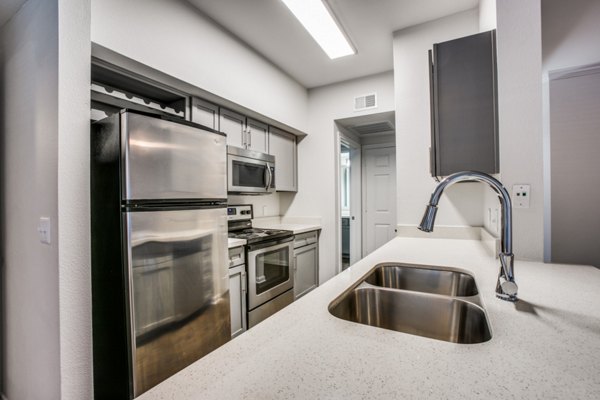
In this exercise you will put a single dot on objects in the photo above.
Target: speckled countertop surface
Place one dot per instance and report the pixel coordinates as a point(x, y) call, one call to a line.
point(296, 228)
point(296, 225)
point(546, 346)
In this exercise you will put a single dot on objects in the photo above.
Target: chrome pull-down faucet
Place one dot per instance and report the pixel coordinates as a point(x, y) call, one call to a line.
point(506, 288)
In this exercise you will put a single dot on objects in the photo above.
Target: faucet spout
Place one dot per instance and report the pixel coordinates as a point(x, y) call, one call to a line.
point(428, 219)
point(506, 288)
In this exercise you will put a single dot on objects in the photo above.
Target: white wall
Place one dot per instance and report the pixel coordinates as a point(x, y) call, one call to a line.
point(45, 130)
point(262, 206)
point(173, 37)
point(570, 33)
point(520, 116)
point(461, 204)
point(74, 265)
point(487, 15)
point(30, 184)
point(316, 156)
point(490, 205)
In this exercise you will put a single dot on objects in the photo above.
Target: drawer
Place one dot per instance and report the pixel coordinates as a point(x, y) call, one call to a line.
point(304, 239)
point(237, 256)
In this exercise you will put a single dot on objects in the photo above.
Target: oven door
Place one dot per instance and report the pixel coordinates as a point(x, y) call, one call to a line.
point(269, 271)
point(248, 175)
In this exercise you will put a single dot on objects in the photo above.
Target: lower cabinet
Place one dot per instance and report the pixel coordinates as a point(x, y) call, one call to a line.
point(306, 263)
point(237, 291)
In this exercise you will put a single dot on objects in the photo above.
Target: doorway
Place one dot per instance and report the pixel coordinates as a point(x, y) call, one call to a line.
point(365, 221)
point(350, 201)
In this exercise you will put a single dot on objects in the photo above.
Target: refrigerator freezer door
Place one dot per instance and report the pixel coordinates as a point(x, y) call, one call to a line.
point(178, 289)
point(164, 160)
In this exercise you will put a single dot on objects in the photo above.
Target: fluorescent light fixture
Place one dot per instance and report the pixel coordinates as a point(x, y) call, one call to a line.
point(318, 21)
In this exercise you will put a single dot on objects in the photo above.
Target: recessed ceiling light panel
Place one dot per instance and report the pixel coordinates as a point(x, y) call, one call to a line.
point(316, 18)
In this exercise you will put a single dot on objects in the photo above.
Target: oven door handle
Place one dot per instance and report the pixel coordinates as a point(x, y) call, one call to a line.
point(270, 245)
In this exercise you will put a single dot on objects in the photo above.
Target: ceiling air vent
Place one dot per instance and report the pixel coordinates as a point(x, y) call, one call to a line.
point(374, 127)
point(365, 102)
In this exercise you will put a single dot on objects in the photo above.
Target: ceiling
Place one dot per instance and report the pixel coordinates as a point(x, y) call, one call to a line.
point(269, 28)
point(8, 8)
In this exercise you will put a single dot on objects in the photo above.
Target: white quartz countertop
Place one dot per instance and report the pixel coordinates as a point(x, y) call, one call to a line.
point(546, 346)
point(296, 228)
point(231, 242)
point(295, 224)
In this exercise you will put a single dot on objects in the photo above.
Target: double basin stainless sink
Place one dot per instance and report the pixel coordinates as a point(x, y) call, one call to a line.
point(435, 302)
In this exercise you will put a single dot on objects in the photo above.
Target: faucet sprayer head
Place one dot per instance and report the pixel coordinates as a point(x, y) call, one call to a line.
point(428, 219)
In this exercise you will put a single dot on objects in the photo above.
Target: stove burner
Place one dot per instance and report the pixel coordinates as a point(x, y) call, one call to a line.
point(258, 234)
point(240, 227)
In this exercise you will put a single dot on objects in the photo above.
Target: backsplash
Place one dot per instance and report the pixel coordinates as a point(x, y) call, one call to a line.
point(264, 205)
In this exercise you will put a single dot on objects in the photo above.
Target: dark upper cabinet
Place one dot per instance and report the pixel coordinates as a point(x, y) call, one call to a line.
point(464, 117)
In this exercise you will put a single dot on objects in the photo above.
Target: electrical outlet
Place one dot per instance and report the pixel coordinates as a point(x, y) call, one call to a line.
point(520, 196)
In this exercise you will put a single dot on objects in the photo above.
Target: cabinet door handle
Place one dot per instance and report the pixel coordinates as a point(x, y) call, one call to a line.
point(244, 284)
point(249, 138)
point(244, 140)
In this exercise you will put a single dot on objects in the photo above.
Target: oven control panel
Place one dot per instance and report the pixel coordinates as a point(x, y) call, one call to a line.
point(239, 213)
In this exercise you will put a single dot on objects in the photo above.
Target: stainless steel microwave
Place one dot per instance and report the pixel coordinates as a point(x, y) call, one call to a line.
point(250, 172)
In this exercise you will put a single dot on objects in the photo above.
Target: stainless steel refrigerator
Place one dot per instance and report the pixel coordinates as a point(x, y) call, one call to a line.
point(160, 283)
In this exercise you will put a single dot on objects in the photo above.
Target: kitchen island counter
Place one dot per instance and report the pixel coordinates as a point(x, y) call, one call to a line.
point(544, 346)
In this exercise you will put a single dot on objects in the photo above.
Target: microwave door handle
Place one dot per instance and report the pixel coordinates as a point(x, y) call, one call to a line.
point(267, 176)
point(270, 177)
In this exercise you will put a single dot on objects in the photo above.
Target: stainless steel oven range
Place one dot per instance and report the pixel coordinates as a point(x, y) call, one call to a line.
point(270, 258)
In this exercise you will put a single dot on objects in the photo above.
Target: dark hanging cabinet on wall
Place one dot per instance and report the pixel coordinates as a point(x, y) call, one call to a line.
point(464, 117)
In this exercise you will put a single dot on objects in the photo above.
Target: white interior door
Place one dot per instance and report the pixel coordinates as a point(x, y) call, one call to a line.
point(380, 197)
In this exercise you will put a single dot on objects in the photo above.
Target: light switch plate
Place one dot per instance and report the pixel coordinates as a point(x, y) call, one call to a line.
point(520, 196)
point(44, 230)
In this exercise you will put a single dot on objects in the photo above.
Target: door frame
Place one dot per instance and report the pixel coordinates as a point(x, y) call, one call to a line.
point(364, 193)
point(342, 138)
point(356, 235)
